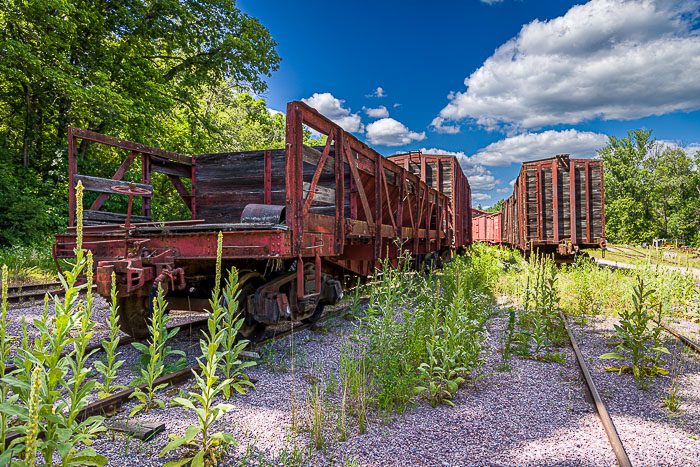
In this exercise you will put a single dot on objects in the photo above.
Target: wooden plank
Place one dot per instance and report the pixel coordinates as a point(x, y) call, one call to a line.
point(322, 195)
point(124, 144)
point(102, 197)
point(313, 156)
point(138, 429)
point(170, 168)
point(103, 185)
point(352, 162)
point(111, 217)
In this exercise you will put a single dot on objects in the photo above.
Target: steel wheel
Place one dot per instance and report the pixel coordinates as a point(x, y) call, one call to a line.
point(134, 316)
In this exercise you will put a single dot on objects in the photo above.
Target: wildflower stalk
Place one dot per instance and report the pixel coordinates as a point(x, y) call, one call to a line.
point(30, 444)
point(110, 345)
point(203, 450)
point(4, 355)
point(155, 366)
point(230, 325)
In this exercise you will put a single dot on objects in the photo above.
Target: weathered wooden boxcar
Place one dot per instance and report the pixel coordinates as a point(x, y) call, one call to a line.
point(557, 206)
point(293, 221)
point(487, 228)
point(443, 173)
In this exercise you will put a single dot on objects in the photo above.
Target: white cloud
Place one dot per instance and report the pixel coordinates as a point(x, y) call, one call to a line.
point(274, 112)
point(533, 146)
point(379, 112)
point(438, 124)
point(608, 59)
point(480, 196)
point(332, 108)
point(396, 104)
point(379, 92)
point(390, 132)
point(505, 189)
point(512, 182)
point(480, 178)
point(689, 148)
point(491, 2)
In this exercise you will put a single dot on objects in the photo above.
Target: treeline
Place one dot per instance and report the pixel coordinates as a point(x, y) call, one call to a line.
point(174, 75)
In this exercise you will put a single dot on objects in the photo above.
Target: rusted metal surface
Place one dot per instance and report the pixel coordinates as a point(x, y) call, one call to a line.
point(557, 206)
point(303, 211)
point(600, 408)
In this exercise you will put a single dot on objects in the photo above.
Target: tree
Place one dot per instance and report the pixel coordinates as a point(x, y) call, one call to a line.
point(496, 207)
point(628, 211)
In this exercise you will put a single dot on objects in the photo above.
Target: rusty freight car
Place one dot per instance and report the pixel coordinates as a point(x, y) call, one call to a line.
point(487, 228)
point(557, 207)
point(293, 221)
point(443, 173)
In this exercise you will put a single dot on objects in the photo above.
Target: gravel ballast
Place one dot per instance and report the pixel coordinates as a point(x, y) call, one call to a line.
point(535, 414)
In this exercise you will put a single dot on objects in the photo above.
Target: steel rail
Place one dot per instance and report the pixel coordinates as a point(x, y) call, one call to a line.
point(686, 341)
point(600, 408)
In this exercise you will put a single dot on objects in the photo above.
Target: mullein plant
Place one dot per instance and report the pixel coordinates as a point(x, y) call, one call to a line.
point(155, 366)
point(108, 369)
point(203, 450)
point(60, 359)
point(230, 348)
point(5, 342)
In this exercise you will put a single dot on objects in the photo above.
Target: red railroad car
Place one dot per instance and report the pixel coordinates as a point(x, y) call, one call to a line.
point(487, 228)
point(557, 207)
point(443, 173)
point(293, 221)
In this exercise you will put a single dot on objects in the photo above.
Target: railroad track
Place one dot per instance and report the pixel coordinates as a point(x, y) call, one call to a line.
point(112, 403)
point(33, 293)
point(598, 404)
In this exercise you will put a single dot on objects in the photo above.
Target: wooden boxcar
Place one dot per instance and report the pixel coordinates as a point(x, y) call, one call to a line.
point(294, 221)
point(443, 173)
point(548, 194)
point(487, 228)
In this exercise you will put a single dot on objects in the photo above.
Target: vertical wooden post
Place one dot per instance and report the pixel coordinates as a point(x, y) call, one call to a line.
point(339, 192)
point(555, 199)
point(267, 177)
point(572, 200)
point(379, 221)
point(146, 179)
point(589, 217)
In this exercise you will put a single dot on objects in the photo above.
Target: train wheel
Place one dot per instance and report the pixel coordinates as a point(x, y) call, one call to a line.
point(134, 316)
point(248, 331)
point(316, 316)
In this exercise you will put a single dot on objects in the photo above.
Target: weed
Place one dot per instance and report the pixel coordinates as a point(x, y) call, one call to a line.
point(108, 369)
point(638, 341)
point(154, 368)
point(317, 415)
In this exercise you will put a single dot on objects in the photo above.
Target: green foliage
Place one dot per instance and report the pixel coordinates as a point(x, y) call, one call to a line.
point(231, 347)
point(109, 369)
point(650, 190)
point(639, 337)
point(421, 335)
point(56, 365)
point(174, 75)
point(155, 353)
point(539, 321)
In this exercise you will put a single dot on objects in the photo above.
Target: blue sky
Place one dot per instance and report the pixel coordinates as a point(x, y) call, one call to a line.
point(494, 82)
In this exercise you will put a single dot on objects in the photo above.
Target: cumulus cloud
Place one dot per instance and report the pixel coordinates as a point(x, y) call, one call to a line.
point(505, 189)
point(491, 2)
point(390, 132)
point(533, 146)
point(332, 107)
point(607, 59)
point(480, 178)
point(379, 92)
point(689, 148)
point(379, 112)
point(438, 124)
point(512, 182)
point(480, 196)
